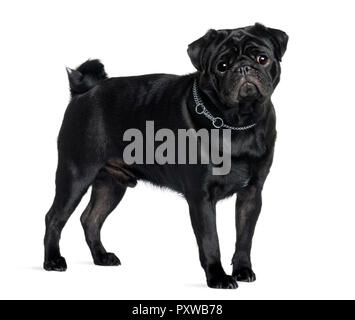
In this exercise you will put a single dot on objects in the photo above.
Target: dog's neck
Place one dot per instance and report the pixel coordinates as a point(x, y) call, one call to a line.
point(241, 114)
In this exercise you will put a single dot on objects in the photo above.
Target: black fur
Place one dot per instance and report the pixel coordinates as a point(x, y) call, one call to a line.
point(86, 76)
point(90, 143)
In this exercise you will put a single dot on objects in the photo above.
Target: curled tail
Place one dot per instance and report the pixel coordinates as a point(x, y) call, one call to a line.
point(86, 76)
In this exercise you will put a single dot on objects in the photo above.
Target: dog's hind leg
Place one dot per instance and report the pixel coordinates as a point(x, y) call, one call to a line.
point(106, 193)
point(71, 185)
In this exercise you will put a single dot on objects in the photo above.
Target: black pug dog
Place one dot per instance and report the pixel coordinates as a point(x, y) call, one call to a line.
point(237, 72)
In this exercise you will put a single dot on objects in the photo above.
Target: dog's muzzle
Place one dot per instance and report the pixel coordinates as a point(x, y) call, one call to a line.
point(248, 90)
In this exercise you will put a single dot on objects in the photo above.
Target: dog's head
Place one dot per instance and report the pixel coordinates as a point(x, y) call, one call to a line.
point(239, 66)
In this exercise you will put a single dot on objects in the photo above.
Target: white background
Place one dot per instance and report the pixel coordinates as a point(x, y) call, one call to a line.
point(304, 242)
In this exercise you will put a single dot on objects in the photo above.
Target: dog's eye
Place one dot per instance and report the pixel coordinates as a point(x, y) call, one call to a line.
point(222, 66)
point(263, 60)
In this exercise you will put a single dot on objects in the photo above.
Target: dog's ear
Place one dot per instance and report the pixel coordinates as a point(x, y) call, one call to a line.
point(278, 38)
point(197, 48)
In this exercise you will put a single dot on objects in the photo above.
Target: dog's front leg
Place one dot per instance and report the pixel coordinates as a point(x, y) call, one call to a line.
point(248, 208)
point(203, 219)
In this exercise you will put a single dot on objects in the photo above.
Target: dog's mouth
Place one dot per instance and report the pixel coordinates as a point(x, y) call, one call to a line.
point(248, 90)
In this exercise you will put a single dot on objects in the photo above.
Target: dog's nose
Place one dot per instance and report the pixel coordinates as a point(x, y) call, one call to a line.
point(244, 70)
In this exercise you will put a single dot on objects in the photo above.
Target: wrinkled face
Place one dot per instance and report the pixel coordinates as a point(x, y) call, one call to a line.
point(240, 65)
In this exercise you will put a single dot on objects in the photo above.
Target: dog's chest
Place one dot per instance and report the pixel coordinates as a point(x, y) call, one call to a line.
point(248, 146)
point(245, 151)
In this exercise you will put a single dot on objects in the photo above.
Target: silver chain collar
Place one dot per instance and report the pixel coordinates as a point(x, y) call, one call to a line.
point(216, 121)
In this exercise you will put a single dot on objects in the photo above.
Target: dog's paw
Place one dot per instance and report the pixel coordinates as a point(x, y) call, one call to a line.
point(244, 275)
point(222, 282)
point(107, 259)
point(56, 264)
